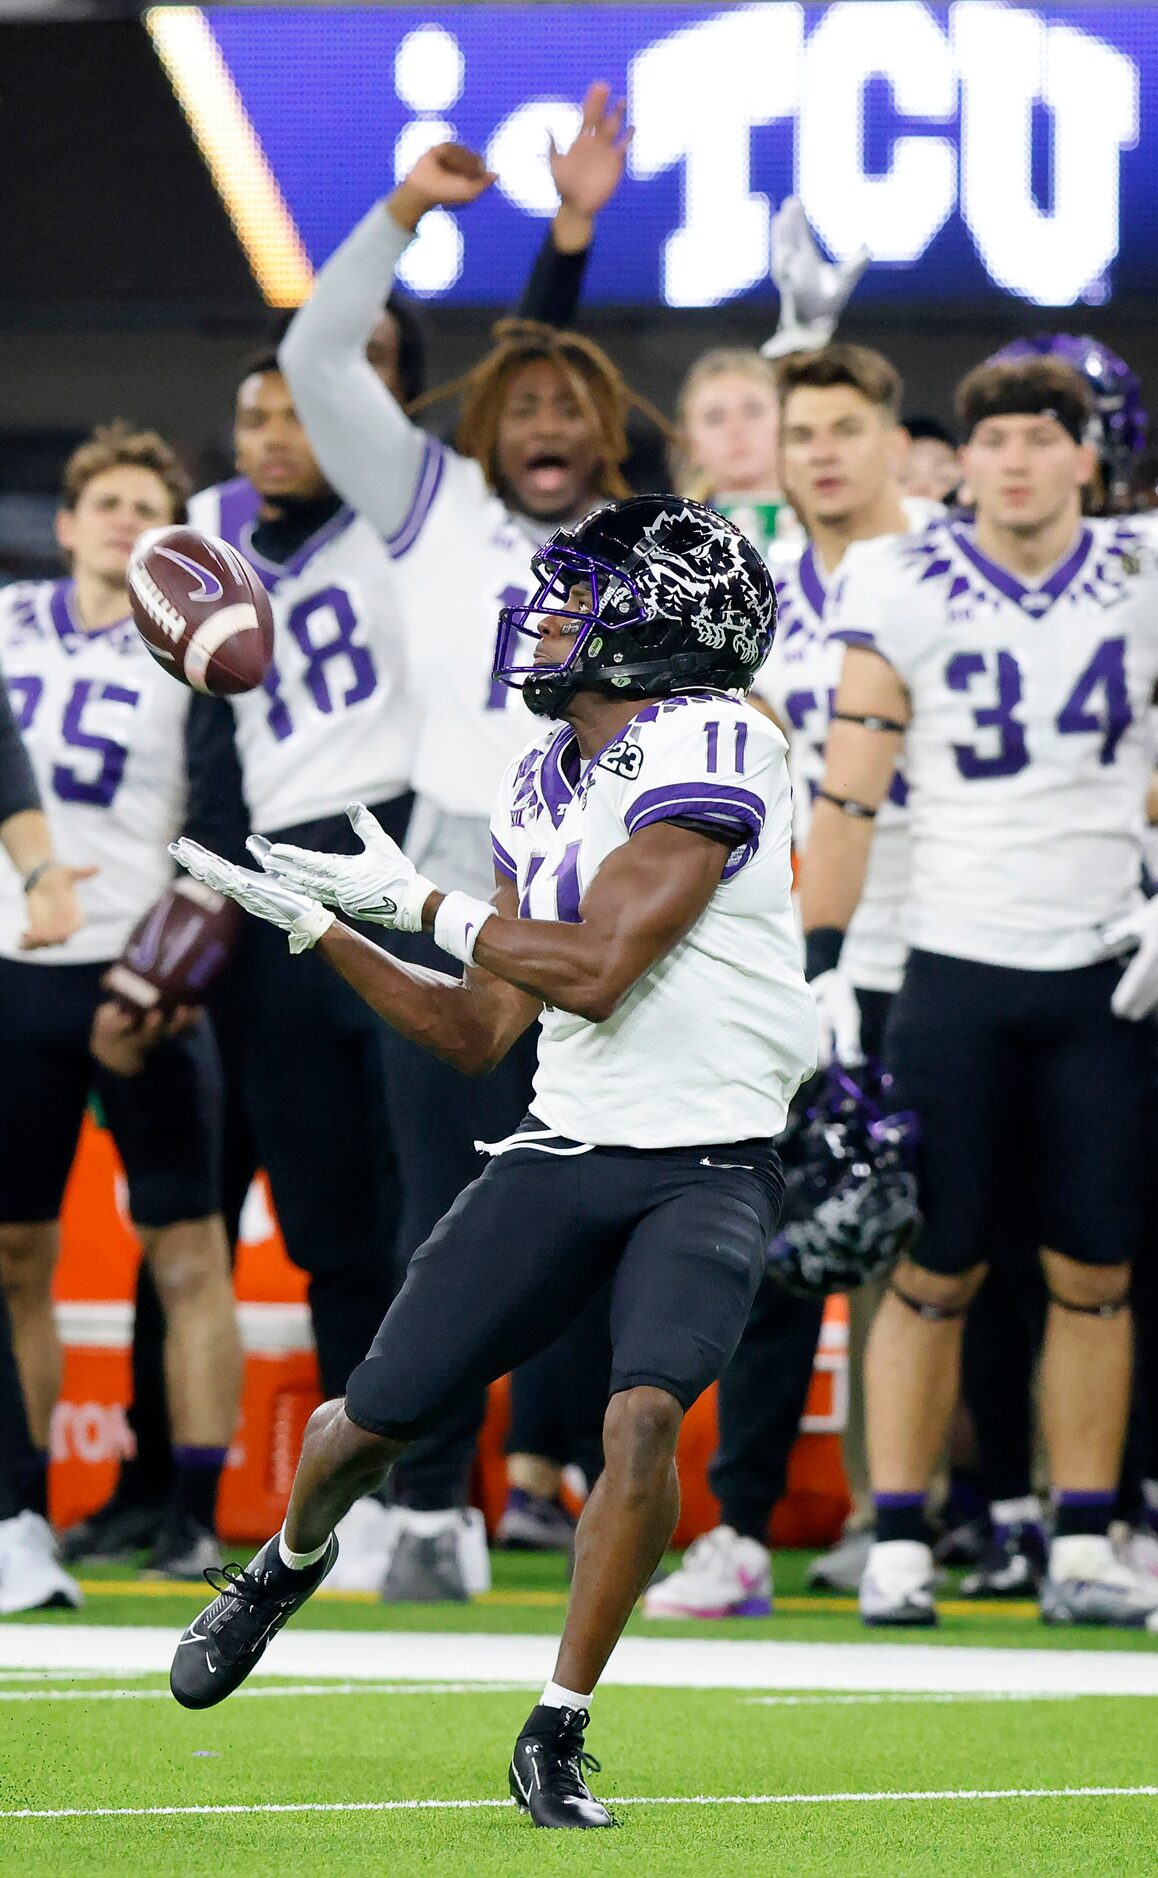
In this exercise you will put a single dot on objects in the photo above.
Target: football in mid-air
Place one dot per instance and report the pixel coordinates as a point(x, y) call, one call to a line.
point(175, 951)
point(201, 610)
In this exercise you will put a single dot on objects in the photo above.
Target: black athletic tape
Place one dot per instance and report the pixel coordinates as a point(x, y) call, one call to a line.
point(932, 1313)
point(869, 719)
point(1109, 1309)
point(859, 810)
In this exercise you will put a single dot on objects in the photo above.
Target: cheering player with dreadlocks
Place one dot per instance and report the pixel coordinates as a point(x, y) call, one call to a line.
point(540, 441)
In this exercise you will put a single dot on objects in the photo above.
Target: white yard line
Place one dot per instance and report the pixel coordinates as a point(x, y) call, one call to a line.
point(648, 1662)
point(700, 1799)
point(290, 1688)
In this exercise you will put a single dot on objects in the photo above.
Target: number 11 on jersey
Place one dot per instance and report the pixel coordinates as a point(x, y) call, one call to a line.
point(739, 745)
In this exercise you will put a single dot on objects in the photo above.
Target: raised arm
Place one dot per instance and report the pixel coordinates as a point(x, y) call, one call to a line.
point(586, 175)
point(864, 741)
point(371, 452)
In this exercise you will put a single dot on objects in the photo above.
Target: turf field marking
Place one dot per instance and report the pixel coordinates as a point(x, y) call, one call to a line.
point(699, 1799)
point(903, 1695)
point(294, 1689)
point(762, 1666)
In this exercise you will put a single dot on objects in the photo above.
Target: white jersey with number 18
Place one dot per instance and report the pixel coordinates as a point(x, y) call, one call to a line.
point(333, 721)
point(713, 1041)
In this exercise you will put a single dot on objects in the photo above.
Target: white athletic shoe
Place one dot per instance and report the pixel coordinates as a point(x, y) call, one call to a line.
point(1137, 1548)
point(722, 1575)
point(365, 1539)
point(897, 1586)
point(841, 1568)
point(31, 1576)
point(1086, 1584)
point(436, 1557)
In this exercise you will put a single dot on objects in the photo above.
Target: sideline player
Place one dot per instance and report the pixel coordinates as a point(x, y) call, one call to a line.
point(841, 450)
point(643, 909)
point(103, 726)
point(1018, 654)
point(30, 1574)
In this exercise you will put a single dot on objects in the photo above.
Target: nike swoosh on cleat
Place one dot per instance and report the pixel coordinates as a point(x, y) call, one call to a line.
point(210, 1664)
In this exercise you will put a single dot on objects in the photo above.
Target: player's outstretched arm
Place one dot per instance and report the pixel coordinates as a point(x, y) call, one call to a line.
point(861, 759)
point(470, 1022)
point(369, 449)
point(642, 901)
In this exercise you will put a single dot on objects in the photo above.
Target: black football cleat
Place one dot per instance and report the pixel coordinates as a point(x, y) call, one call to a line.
point(547, 1770)
point(229, 1636)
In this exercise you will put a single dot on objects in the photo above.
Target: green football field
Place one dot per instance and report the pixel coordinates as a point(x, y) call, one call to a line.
point(378, 1742)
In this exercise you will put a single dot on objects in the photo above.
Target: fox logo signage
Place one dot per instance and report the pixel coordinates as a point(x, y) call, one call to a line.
point(977, 148)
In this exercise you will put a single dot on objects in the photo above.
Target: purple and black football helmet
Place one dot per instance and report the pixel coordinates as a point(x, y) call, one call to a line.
point(850, 1184)
point(672, 597)
point(1120, 423)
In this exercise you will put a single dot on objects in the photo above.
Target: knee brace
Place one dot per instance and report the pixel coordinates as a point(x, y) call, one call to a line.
point(932, 1313)
point(1110, 1308)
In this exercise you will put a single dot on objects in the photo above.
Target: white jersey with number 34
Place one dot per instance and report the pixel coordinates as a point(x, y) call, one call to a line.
point(713, 1041)
point(1027, 752)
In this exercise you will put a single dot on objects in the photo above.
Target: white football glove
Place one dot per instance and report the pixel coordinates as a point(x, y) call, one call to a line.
point(839, 1015)
point(379, 884)
point(1136, 993)
point(303, 919)
point(813, 292)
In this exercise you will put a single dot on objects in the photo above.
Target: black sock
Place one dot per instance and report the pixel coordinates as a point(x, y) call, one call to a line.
point(36, 1484)
point(900, 1516)
point(198, 1478)
point(1080, 1513)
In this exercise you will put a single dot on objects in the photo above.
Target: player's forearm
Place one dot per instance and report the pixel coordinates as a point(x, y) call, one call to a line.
point(570, 967)
point(832, 877)
point(27, 840)
point(367, 446)
point(431, 1009)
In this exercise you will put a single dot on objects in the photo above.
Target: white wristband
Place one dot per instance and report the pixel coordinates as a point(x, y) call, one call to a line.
point(310, 926)
point(407, 916)
point(458, 922)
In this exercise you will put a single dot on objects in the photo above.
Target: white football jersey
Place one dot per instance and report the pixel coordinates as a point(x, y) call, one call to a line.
point(1028, 750)
point(799, 679)
point(333, 721)
point(713, 1041)
point(460, 557)
point(105, 729)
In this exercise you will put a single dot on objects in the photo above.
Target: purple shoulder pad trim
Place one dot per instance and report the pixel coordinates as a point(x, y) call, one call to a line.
point(425, 490)
point(735, 811)
point(503, 860)
point(853, 636)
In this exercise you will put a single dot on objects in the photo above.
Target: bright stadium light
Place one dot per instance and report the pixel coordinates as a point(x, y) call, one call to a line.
point(231, 148)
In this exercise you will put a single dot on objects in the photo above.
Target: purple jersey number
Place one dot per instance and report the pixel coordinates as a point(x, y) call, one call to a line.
point(567, 889)
point(360, 675)
point(94, 782)
point(1104, 679)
